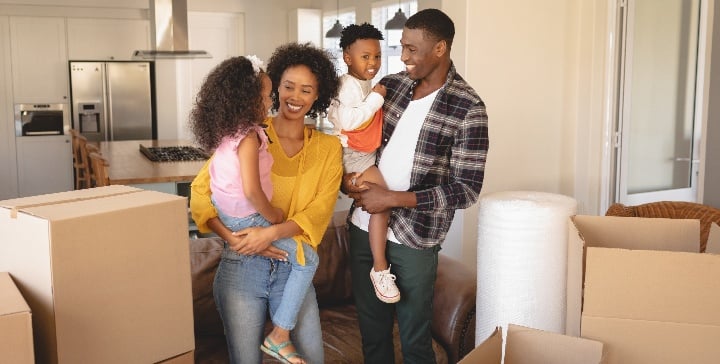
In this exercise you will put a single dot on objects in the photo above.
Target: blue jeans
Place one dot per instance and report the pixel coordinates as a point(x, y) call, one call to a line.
point(245, 286)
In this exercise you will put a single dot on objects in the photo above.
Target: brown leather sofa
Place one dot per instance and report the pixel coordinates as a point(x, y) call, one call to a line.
point(672, 210)
point(453, 326)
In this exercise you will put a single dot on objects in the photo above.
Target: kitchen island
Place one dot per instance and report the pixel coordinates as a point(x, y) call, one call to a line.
point(129, 166)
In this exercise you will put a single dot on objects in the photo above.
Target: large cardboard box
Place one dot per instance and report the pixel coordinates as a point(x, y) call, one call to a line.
point(16, 341)
point(531, 346)
point(106, 272)
point(653, 307)
point(619, 232)
point(648, 294)
point(713, 245)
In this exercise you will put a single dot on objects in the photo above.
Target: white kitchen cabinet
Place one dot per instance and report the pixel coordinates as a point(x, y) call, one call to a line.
point(106, 39)
point(44, 164)
point(39, 59)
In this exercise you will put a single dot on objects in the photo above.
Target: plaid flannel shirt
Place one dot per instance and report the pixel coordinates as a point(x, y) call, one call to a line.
point(449, 161)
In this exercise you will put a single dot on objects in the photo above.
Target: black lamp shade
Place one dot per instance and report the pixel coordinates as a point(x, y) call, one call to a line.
point(397, 22)
point(335, 31)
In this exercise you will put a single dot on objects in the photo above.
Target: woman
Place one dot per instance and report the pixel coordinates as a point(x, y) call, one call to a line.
point(306, 176)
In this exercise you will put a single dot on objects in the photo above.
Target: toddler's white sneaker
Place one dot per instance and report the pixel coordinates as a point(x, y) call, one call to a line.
point(384, 284)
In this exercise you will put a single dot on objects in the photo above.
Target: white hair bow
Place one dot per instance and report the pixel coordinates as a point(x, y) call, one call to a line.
point(257, 63)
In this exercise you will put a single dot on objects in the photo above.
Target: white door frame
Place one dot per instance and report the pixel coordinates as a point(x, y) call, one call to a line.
point(611, 138)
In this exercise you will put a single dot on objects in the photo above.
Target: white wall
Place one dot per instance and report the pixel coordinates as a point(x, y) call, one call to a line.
point(539, 68)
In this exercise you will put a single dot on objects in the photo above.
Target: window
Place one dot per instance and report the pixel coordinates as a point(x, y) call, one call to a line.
point(391, 45)
point(346, 17)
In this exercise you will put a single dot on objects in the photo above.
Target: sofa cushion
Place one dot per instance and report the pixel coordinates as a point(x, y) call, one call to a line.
point(332, 278)
point(204, 259)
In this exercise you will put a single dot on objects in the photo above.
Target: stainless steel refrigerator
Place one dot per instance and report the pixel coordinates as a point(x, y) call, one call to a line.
point(113, 100)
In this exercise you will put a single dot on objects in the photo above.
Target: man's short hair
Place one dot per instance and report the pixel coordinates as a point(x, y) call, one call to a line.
point(434, 23)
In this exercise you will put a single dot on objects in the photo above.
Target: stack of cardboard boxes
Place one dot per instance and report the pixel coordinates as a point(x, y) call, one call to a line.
point(638, 288)
point(105, 273)
point(16, 341)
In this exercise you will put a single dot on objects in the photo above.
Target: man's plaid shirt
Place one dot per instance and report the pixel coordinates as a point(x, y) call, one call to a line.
point(449, 162)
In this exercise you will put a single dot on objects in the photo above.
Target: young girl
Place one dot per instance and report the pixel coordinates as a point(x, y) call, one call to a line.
point(356, 115)
point(227, 118)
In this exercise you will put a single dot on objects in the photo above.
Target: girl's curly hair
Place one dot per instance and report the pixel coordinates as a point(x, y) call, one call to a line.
point(229, 102)
point(320, 64)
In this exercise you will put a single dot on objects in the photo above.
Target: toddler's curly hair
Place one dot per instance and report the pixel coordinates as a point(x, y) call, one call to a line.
point(353, 32)
point(320, 63)
point(229, 102)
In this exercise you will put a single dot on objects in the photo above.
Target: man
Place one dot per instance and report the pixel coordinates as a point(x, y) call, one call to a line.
point(435, 142)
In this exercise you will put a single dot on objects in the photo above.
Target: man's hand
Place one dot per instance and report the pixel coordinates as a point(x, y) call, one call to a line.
point(373, 198)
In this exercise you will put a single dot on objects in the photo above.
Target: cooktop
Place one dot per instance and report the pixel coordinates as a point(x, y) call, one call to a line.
point(174, 153)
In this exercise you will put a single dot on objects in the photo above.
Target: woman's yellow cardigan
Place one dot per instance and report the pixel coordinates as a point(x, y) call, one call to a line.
point(305, 186)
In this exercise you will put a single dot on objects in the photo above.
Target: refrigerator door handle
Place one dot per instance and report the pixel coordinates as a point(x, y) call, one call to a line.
point(108, 103)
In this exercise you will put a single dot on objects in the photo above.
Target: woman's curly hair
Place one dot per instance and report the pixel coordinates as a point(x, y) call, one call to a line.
point(229, 102)
point(320, 64)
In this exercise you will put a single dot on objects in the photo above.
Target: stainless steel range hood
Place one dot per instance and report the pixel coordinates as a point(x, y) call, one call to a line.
point(169, 32)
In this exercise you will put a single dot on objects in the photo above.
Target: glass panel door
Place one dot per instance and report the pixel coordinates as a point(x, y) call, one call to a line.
point(658, 126)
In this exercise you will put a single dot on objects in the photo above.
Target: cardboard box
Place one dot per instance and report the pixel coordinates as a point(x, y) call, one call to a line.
point(648, 294)
point(531, 346)
point(619, 232)
point(713, 245)
point(16, 341)
point(106, 272)
point(653, 306)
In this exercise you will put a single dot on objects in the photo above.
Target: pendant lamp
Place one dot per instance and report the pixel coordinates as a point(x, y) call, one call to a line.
point(336, 30)
point(398, 21)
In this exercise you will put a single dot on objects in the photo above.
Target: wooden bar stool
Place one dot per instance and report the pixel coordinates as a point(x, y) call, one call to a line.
point(81, 163)
point(99, 169)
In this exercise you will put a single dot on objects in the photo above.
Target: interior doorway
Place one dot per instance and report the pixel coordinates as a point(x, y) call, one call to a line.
point(659, 88)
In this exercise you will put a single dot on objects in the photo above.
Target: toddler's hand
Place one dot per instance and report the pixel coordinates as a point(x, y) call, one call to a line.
point(380, 89)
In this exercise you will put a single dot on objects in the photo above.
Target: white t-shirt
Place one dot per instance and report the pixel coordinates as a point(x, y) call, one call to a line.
point(397, 159)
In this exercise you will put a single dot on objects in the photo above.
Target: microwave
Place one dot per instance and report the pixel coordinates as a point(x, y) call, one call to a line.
point(41, 119)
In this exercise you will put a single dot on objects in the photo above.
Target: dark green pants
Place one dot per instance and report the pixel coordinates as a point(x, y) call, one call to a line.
point(415, 271)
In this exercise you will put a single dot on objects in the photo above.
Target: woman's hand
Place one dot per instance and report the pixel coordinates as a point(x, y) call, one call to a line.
point(256, 241)
point(236, 241)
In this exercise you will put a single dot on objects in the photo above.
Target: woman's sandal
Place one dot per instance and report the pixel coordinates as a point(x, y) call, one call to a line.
point(273, 350)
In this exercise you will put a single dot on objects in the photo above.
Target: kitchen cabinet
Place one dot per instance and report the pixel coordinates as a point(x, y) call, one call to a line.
point(44, 164)
point(106, 39)
point(39, 59)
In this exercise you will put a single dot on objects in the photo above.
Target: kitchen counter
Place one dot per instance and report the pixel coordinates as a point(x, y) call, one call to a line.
point(128, 165)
